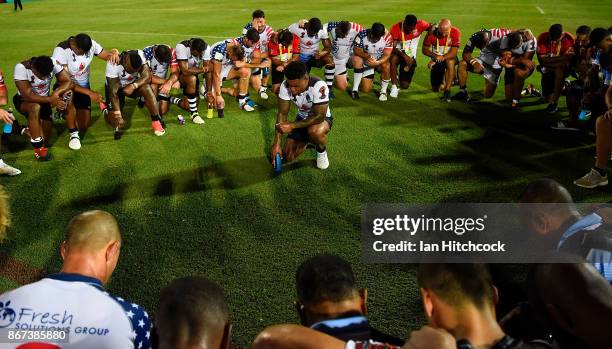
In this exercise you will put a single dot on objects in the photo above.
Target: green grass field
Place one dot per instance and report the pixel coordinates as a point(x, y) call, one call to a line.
point(203, 199)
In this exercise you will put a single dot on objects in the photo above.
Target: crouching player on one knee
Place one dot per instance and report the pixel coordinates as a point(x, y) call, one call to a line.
point(131, 78)
point(313, 121)
point(373, 49)
point(283, 48)
point(161, 59)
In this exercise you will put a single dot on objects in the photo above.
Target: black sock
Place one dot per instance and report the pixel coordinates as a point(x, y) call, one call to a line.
point(321, 149)
point(601, 171)
point(155, 117)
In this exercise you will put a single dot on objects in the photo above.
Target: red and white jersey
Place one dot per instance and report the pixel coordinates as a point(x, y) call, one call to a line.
point(118, 71)
point(317, 92)
point(264, 36)
point(76, 65)
point(375, 49)
point(498, 33)
point(441, 45)
point(409, 43)
point(41, 87)
point(157, 68)
point(284, 53)
point(308, 45)
point(342, 48)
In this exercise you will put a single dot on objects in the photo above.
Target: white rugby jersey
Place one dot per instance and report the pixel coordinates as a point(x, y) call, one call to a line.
point(118, 71)
point(375, 49)
point(342, 48)
point(157, 68)
point(527, 47)
point(41, 87)
point(308, 45)
point(264, 36)
point(218, 52)
point(316, 93)
point(183, 53)
point(77, 66)
point(80, 306)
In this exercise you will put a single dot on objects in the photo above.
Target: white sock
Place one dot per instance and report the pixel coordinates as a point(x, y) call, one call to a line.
point(357, 81)
point(193, 104)
point(329, 76)
point(383, 86)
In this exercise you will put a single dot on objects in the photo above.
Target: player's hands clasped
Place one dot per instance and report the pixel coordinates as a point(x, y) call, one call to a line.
point(284, 127)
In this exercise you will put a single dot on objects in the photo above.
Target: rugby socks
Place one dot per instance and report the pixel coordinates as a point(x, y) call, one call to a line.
point(175, 101)
point(155, 117)
point(321, 149)
point(242, 99)
point(37, 142)
point(74, 133)
point(383, 86)
point(329, 76)
point(358, 75)
point(192, 99)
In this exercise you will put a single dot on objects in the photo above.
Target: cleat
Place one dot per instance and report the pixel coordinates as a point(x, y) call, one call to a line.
point(592, 180)
point(322, 160)
point(8, 170)
point(394, 92)
point(562, 125)
point(117, 135)
point(158, 129)
point(278, 163)
point(382, 97)
point(196, 119)
point(584, 115)
point(354, 95)
point(74, 143)
point(221, 113)
point(247, 107)
point(552, 108)
point(446, 97)
point(263, 94)
point(42, 154)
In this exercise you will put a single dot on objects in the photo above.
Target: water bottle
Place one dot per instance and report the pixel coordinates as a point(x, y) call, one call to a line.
point(8, 128)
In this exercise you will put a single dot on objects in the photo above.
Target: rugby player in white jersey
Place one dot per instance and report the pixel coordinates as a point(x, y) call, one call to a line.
point(131, 78)
point(313, 121)
point(406, 35)
point(259, 77)
point(373, 49)
point(233, 60)
point(519, 66)
point(342, 35)
point(33, 80)
point(311, 33)
point(190, 55)
point(483, 65)
point(75, 54)
point(283, 48)
point(6, 118)
point(161, 59)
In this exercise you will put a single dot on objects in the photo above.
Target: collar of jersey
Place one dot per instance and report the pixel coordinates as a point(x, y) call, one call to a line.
point(342, 322)
point(589, 222)
point(71, 277)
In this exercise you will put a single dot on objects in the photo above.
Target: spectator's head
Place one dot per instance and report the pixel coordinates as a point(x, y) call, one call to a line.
point(82, 44)
point(515, 39)
point(409, 24)
point(192, 314)
point(546, 207)
point(574, 301)
point(235, 53)
point(343, 28)
point(452, 292)
point(259, 20)
point(92, 245)
point(555, 32)
point(377, 31)
point(5, 214)
point(131, 61)
point(326, 290)
point(197, 46)
point(42, 66)
point(313, 26)
point(444, 27)
point(285, 38)
point(251, 37)
point(582, 35)
point(163, 54)
point(297, 77)
point(600, 38)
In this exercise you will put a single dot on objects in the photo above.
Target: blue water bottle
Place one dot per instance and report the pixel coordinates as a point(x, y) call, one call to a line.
point(8, 128)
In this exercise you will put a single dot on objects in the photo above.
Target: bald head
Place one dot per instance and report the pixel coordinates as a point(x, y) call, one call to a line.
point(92, 231)
point(546, 206)
point(546, 190)
point(445, 26)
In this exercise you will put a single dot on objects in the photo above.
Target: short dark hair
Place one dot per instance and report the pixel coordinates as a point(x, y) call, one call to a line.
point(314, 25)
point(83, 41)
point(555, 31)
point(285, 37)
point(135, 60)
point(479, 39)
point(295, 70)
point(605, 59)
point(237, 51)
point(457, 284)
point(343, 29)
point(43, 65)
point(583, 30)
point(258, 14)
point(325, 277)
point(252, 34)
point(377, 30)
point(597, 35)
point(515, 39)
point(410, 20)
point(190, 306)
point(163, 53)
point(198, 44)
